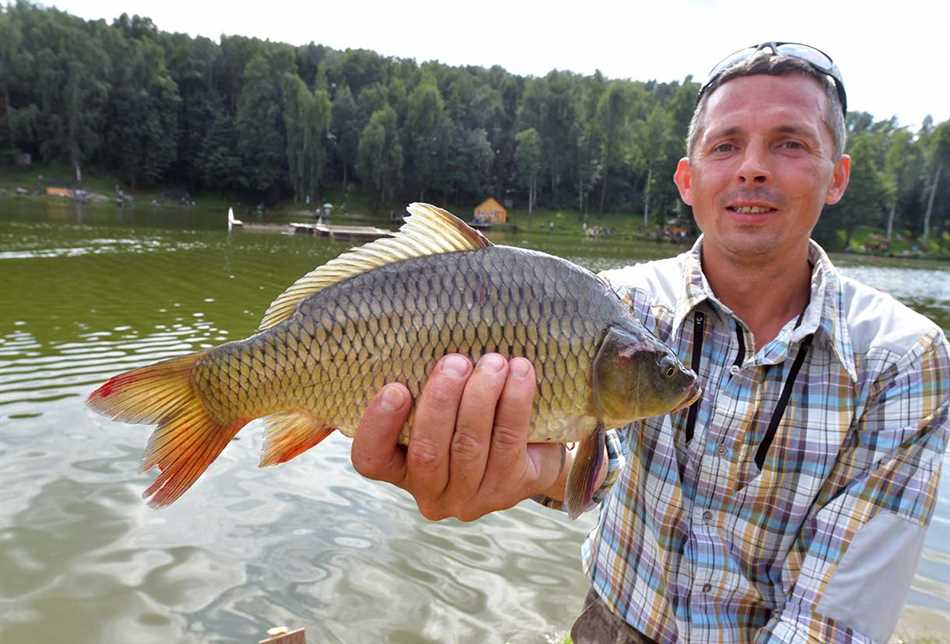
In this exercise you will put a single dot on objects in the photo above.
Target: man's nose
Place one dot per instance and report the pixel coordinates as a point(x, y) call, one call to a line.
point(754, 167)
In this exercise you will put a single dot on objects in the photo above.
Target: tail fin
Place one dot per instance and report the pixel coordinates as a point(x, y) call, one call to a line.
point(187, 439)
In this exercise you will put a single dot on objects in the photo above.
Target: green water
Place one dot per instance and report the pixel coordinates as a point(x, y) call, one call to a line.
point(87, 293)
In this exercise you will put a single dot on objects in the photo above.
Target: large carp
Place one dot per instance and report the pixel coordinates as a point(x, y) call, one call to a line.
point(385, 312)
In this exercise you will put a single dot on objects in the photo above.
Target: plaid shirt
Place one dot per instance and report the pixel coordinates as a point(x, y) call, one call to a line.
point(750, 523)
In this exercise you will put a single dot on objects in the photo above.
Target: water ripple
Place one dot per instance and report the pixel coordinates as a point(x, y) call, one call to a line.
point(309, 543)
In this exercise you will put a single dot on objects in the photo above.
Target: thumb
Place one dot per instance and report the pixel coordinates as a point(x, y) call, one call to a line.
point(376, 453)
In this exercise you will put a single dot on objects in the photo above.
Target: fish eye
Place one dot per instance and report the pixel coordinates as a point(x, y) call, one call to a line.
point(667, 367)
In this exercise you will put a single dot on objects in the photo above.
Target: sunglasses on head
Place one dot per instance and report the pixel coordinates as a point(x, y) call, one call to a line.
point(817, 59)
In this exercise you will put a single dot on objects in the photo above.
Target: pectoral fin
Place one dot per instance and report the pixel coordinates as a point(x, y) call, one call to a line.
point(583, 476)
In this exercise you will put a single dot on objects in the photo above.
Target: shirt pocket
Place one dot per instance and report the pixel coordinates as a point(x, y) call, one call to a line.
point(773, 497)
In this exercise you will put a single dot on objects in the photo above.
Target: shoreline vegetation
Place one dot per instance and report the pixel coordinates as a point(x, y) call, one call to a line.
point(49, 185)
point(123, 109)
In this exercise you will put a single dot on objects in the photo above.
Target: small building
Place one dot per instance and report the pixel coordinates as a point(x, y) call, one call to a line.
point(66, 193)
point(490, 212)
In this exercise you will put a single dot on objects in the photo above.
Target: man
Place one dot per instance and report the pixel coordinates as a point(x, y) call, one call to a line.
point(791, 502)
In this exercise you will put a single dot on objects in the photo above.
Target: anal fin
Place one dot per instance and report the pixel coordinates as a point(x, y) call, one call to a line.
point(583, 476)
point(291, 433)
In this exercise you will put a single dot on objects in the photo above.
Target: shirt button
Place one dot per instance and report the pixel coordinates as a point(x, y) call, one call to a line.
point(707, 516)
point(722, 450)
point(707, 588)
point(734, 370)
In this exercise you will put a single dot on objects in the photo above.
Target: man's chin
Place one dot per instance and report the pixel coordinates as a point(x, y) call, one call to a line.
point(750, 244)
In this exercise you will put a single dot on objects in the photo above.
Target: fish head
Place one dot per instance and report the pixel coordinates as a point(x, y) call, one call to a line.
point(637, 376)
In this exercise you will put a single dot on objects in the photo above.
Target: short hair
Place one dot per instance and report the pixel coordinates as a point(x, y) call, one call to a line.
point(765, 62)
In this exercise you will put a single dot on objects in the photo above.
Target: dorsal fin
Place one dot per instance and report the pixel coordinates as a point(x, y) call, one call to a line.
point(427, 230)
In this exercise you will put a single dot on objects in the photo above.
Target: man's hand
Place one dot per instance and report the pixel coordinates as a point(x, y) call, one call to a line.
point(469, 453)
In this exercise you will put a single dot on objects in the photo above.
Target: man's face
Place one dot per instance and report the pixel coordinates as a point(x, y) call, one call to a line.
point(763, 168)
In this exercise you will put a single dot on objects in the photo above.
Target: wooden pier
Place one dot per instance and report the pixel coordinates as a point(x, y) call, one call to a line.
point(342, 233)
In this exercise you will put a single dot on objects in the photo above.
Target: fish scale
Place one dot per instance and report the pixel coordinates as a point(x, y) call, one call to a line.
point(480, 292)
point(387, 312)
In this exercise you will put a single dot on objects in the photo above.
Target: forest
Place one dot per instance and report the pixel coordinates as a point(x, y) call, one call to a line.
point(272, 122)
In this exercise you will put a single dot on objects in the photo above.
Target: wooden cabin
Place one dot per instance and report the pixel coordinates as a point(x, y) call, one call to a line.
point(490, 212)
point(66, 193)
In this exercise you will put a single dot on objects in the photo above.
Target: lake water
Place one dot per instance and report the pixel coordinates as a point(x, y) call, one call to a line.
point(85, 294)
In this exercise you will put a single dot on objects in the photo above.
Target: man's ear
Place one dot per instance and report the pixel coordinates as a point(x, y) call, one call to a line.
point(683, 178)
point(839, 180)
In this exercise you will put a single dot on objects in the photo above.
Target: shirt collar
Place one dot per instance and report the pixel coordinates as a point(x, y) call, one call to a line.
point(695, 288)
point(823, 315)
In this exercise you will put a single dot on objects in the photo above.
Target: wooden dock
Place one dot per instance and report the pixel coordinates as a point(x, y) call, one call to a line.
point(342, 233)
point(486, 226)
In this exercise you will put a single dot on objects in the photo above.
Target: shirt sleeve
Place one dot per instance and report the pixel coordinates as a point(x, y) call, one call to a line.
point(615, 463)
point(847, 576)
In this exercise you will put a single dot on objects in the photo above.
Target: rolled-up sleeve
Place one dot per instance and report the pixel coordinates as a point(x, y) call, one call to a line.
point(847, 577)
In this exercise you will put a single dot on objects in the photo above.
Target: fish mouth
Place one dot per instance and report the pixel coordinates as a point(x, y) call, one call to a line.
point(692, 395)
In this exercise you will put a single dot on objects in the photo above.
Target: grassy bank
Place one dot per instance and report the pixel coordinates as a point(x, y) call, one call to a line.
point(353, 204)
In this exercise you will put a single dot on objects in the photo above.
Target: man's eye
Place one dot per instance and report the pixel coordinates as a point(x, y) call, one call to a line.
point(723, 147)
point(792, 145)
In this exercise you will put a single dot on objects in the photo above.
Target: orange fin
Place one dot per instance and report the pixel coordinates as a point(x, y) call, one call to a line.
point(187, 438)
point(290, 434)
point(588, 461)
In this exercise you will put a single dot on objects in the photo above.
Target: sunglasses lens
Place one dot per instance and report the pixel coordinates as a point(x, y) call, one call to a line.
point(810, 55)
point(731, 60)
point(815, 57)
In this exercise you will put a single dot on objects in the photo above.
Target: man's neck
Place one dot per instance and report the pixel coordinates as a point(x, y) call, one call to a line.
point(764, 295)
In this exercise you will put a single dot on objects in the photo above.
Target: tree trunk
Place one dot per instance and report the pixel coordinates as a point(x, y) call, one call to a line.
point(603, 191)
point(646, 198)
point(930, 202)
point(532, 189)
point(890, 219)
point(6, 132)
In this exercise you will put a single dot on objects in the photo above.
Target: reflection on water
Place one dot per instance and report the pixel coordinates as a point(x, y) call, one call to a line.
point(311, 543)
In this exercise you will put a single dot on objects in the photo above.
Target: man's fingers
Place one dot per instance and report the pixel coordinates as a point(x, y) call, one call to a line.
point(428, 453)
point(376, 453)
point(512, 421)
point(473, 428)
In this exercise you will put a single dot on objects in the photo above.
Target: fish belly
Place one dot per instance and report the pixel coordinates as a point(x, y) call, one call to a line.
point(393, 324)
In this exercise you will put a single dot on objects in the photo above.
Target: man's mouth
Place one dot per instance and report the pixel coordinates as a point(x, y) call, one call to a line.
point(751, 210)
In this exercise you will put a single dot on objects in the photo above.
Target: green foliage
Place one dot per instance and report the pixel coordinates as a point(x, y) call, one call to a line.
point(866, 197)
point(141, 125)
point(427, 132)
point(466, 173)
point(272, 121)
point(344, 131)
point(306, 120)
point(380, 156)
point(528, 156)
point(219, 161)
point(260, 123)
